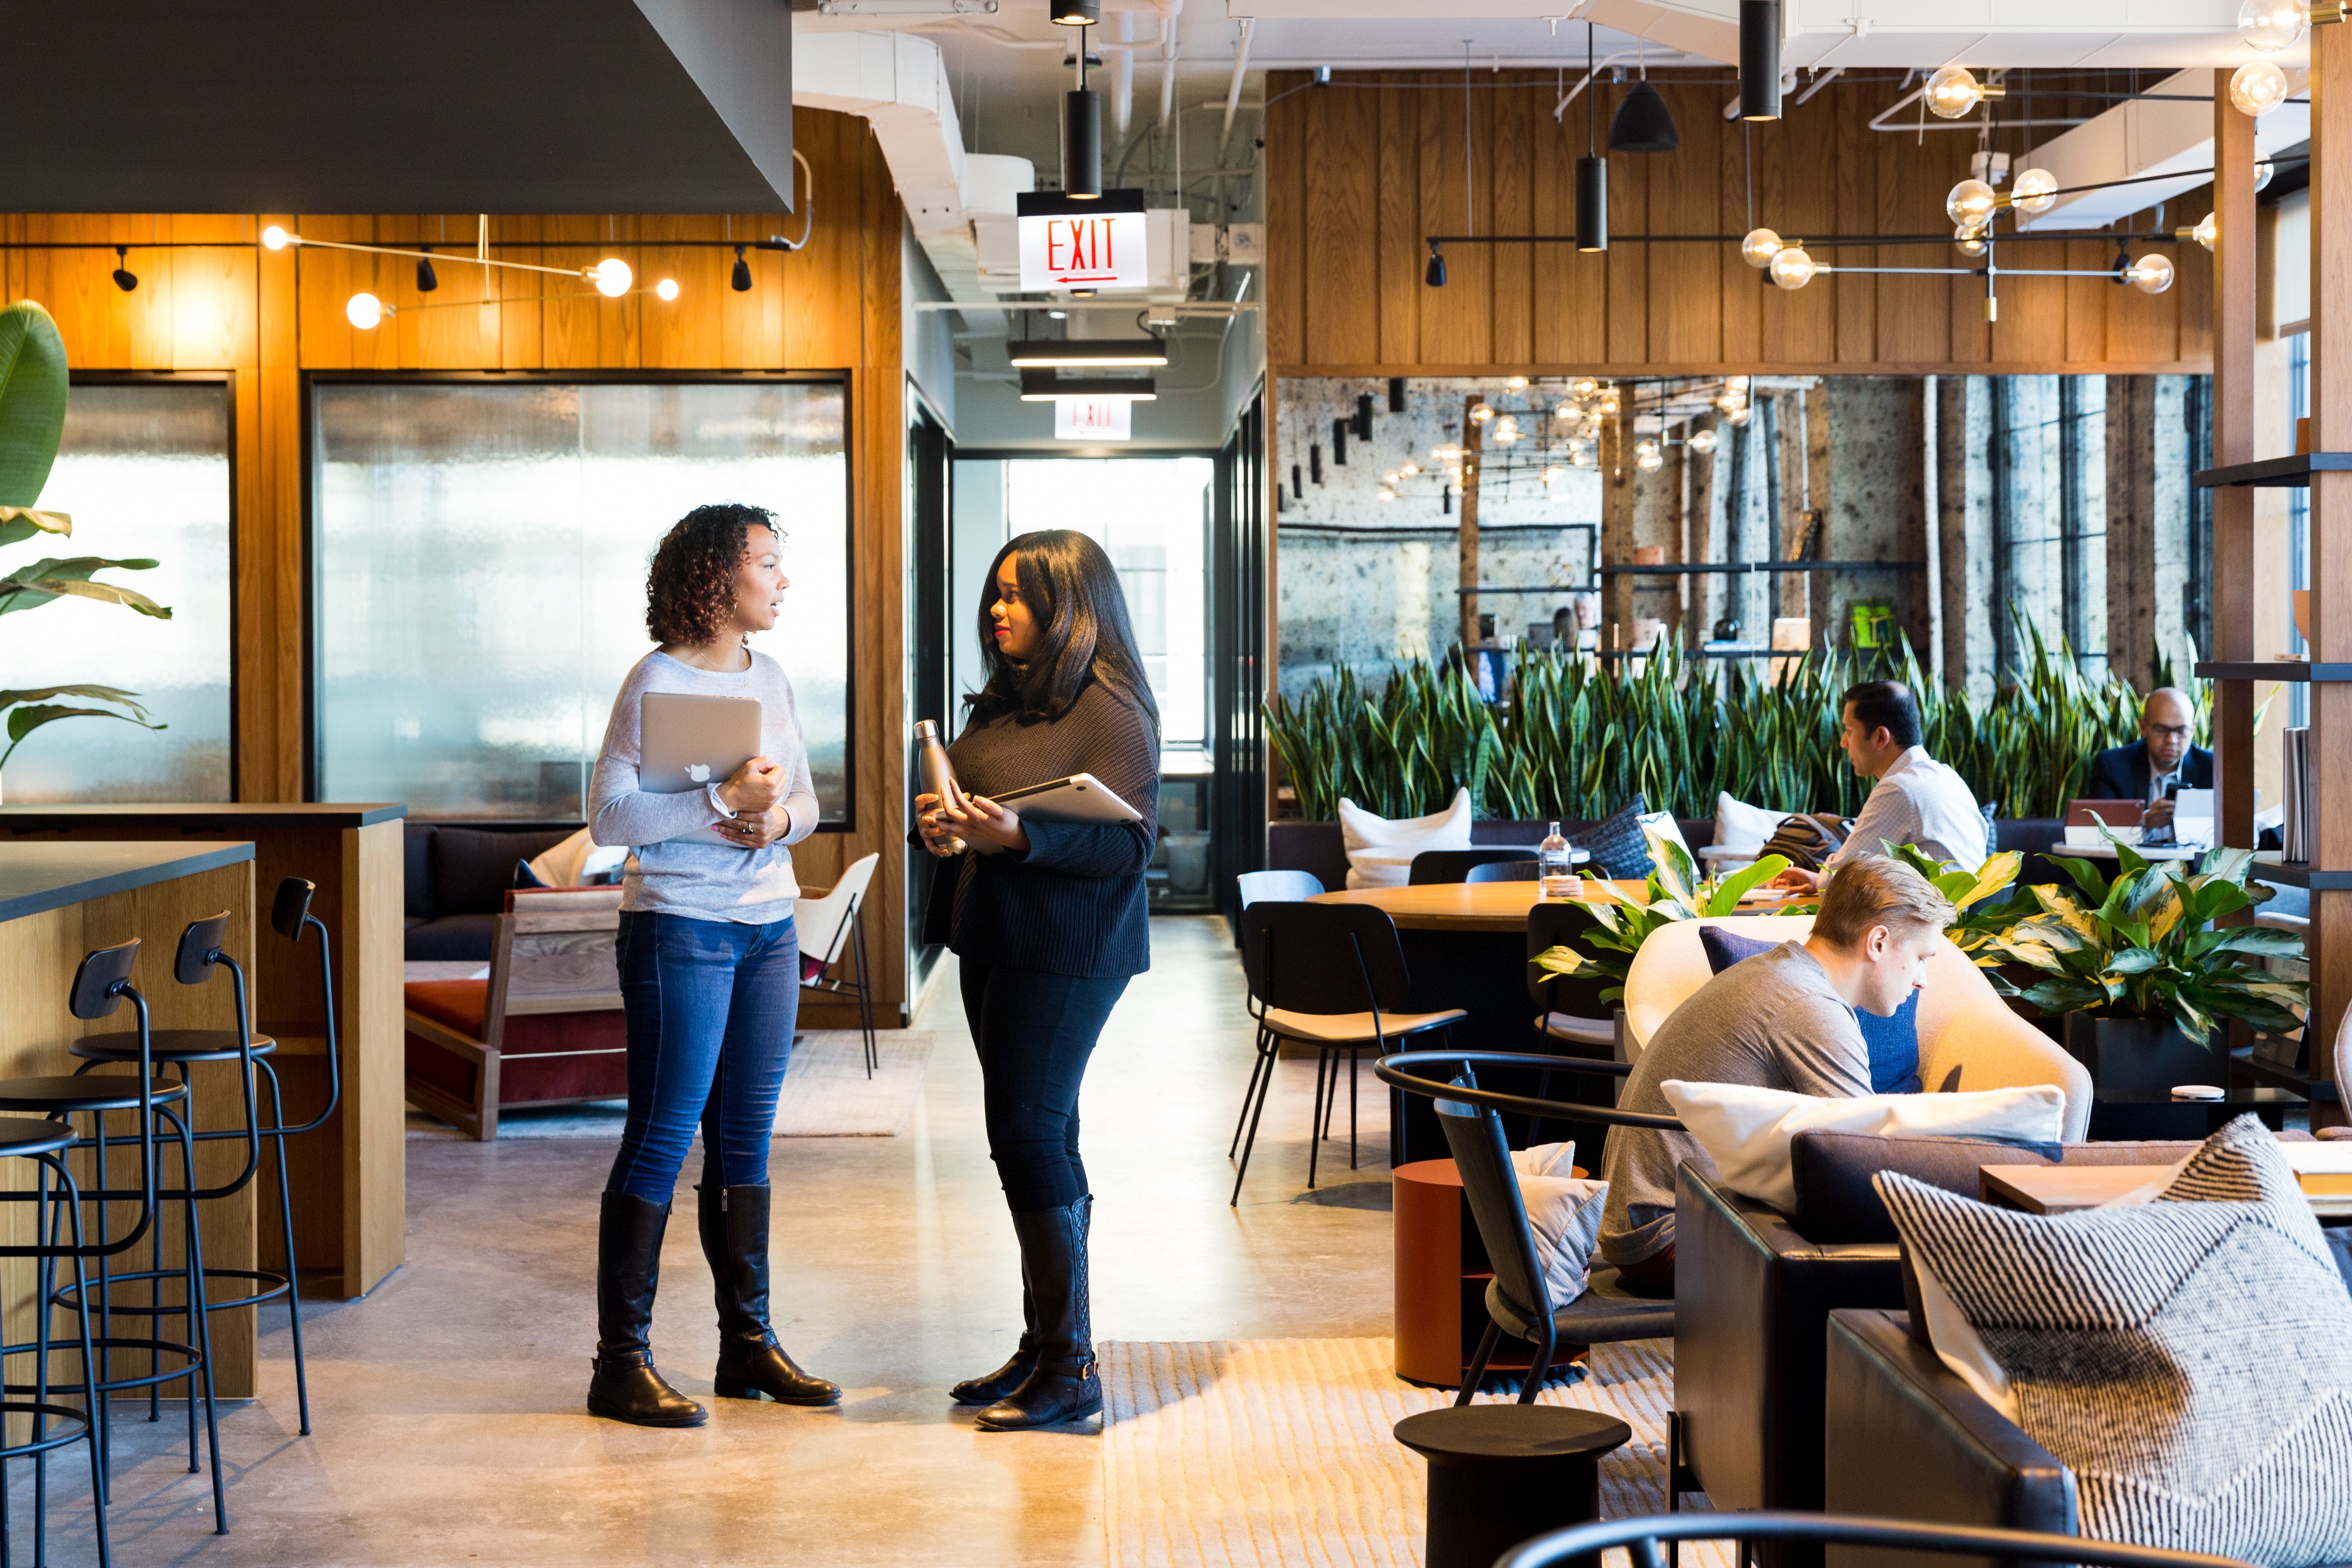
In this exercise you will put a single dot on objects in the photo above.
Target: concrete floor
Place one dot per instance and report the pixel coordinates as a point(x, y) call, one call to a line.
point(447, 1405)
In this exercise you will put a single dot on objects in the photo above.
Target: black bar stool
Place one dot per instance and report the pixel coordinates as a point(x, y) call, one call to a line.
point(178, 1049)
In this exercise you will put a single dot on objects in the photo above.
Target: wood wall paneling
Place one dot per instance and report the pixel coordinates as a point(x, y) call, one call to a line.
point(1357, 176)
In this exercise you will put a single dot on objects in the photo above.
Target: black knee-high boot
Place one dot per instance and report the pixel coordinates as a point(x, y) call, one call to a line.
point(1015, 1372)
point(733, 1223)
point(1064, 1386)
point(625, 1385)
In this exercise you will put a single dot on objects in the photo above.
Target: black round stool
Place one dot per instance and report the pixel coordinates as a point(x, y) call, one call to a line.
point(1499, 1474)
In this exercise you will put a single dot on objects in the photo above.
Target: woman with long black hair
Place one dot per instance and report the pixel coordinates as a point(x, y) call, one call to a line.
point(1049, 923)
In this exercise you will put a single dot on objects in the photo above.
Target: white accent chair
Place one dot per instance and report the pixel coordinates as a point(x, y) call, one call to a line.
point(1969, 1037)
point(827, 924)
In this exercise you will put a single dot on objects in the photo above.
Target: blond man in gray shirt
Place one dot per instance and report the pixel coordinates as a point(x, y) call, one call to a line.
point(1782, 1019)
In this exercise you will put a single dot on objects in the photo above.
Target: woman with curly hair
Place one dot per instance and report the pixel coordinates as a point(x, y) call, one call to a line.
point(1049, 924)
point(710, 972)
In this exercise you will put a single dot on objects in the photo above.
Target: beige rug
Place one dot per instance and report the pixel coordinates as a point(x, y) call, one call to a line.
point(1279, 1452)
point(826, 1094)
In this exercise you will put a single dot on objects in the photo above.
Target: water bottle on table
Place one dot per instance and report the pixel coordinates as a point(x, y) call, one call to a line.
point(1556, 864)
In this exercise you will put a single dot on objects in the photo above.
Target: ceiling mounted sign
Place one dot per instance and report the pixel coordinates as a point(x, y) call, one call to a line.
point(1092, 418)
point(1083, 244)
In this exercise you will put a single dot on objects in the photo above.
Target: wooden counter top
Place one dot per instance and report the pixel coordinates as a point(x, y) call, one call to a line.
point(201, 816)
point(37, 877)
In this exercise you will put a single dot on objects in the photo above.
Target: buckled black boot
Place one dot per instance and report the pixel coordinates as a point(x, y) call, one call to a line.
point(1015, 1372)
point(733, 1222)
point(1064, 1386)
point(625, 1387)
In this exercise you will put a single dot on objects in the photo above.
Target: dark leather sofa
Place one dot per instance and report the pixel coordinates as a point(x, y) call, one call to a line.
point(1754, 1290)
point(458, 875)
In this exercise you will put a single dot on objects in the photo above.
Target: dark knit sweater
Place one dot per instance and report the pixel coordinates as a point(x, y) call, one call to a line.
point(1073, 903)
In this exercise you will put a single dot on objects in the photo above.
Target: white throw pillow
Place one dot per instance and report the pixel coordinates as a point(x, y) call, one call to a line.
point(570, 863)
point(1564, 1212)
point(1380, 851)
point(1747, 1131)
point(1744, 828)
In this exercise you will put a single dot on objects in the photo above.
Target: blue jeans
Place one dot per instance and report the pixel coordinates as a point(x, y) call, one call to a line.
point(709, 1007)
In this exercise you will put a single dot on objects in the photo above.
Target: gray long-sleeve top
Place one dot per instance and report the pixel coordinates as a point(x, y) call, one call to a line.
point(700, 881)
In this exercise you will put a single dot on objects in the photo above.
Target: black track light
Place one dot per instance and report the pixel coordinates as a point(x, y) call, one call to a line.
point(1643, 123)
point(425, 282)
point(1592, 204)
point(1759, 60)
point(1435, 276)
point(741, 278)
point(1363, 417)
point(1396, 394)
point(124, 279)
point(1077, 13)
point(1340, 443)
point(1297, 485)
point(1315, 461)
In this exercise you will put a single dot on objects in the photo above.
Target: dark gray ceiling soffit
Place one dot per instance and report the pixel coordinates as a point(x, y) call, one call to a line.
point(428, 105)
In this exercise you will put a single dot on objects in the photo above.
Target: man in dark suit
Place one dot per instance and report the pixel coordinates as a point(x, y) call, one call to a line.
point(2161, 761)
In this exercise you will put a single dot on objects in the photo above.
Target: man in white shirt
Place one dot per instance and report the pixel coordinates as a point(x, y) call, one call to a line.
point(1917, 800)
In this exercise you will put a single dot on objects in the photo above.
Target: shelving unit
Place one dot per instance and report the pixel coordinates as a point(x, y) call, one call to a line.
point(2274, 473)
point(2292, 671)
point(2299, 874)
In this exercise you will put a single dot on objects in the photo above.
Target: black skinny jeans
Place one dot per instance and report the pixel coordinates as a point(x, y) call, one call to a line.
point(1034, 1032)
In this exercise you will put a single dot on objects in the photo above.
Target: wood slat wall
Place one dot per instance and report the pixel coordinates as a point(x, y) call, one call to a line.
point(267, 317)
point(1358, 173)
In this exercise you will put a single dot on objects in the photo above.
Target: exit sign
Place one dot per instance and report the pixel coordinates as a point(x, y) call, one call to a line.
point(1066, 243)
point(1092, 418)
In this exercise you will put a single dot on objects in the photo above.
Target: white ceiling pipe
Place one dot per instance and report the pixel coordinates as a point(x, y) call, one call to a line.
point(1175, 9)
point(1234, 87)
point(1122, 78)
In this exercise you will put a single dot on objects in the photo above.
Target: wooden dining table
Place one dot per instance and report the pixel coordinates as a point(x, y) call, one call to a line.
point(1493, 907)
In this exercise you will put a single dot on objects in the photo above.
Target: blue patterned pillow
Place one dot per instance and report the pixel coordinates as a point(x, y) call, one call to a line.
point(1618, 849)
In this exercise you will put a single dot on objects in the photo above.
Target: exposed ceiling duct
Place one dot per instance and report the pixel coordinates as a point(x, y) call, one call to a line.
point(2157, 136)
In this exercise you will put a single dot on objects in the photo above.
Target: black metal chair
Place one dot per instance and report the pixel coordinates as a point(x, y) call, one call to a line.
point(1517, 1300)
point(177, 1050)
point(1332, 976)
point(1455, 865)
point(1585, 1543)
point(1527, 871)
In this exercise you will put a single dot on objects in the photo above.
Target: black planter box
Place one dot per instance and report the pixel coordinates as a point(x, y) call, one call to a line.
point(2132, 1056)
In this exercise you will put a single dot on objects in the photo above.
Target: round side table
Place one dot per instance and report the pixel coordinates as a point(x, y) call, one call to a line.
point(1499, 1474)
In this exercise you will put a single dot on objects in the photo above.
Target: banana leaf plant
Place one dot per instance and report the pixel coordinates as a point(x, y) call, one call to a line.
point(1982, 919)
point(1623, 921)
point(33, 389)
point(2144, 945)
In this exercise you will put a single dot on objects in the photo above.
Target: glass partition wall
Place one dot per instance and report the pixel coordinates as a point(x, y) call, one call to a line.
point(479, 553)
point(144, 471)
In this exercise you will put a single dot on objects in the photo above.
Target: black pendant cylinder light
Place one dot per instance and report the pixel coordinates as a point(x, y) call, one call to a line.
point(1315, 461)
point(1396, 394)
point(1643, 123)
point(1081, 121)
point(1759, 60)
point(1077, 13)
point(1592, 204)
point(1340, 443)
point(1297, 485)
point(1363, 417)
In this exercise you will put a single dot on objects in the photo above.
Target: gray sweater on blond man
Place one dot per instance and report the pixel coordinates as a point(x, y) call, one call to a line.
point(701, 881)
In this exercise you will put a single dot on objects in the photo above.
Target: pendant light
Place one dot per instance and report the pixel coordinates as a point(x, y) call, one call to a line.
point(124, 279)
point(740, 279)
point(1077, 13)
point(1643, 123)
point(1435, 274)
point(1592, 169)
point(1081, 123)
point(427, 282)
point(1759, 60)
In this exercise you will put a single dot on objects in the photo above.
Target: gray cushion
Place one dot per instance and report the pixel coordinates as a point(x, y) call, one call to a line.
point(1832, 1171)
point(2190, 1360)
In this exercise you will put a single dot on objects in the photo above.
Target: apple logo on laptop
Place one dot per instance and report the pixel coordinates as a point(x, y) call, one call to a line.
point(698, 771)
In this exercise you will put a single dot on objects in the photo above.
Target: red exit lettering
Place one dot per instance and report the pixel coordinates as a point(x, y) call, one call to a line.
point(1078, 244)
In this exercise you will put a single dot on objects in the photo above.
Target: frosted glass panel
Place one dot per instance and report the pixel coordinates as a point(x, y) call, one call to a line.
point(481, 557)
point(143, 470)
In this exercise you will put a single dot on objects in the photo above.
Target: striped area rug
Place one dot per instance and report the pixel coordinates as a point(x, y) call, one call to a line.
point(1279, 1453)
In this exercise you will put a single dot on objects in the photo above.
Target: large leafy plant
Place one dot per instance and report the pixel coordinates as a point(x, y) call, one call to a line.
point(1622, 922)
point(1983, 917)
point(33, 389)
point(2145, 945)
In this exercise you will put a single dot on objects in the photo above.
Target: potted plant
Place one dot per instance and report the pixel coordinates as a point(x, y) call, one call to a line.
point(33, 388)
point(1980, 920)
point(2142, 977)
point(1622, 922)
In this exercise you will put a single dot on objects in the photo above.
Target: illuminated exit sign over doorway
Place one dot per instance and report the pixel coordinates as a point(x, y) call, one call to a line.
point(1066, 243)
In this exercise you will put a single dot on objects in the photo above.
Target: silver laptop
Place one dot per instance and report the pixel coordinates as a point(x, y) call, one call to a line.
point(685, 743)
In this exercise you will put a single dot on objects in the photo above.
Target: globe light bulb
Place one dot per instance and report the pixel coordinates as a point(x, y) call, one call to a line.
point(1759, 247)
point(1410, 469)
point(1646, 457)
point(2034, 191)
point(2271, 25)
point(1516, 383)
point(1482, 413)
point(666, 289)
point(611, 277)
point(1792, 269)
point(1969, 239)
point(1507, 430)
point(1953, 92)
point(2257, 87)
point(1737, 415)
point(275, 237)
point(1551, 475)
point(1609, 403)
point(2263, 172)
point(1579, 458)
point(1387, 494)
point(1970, 202)
point(2206, 231)
point(1702, 441)
point(363, 311)
point(2151, 274)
